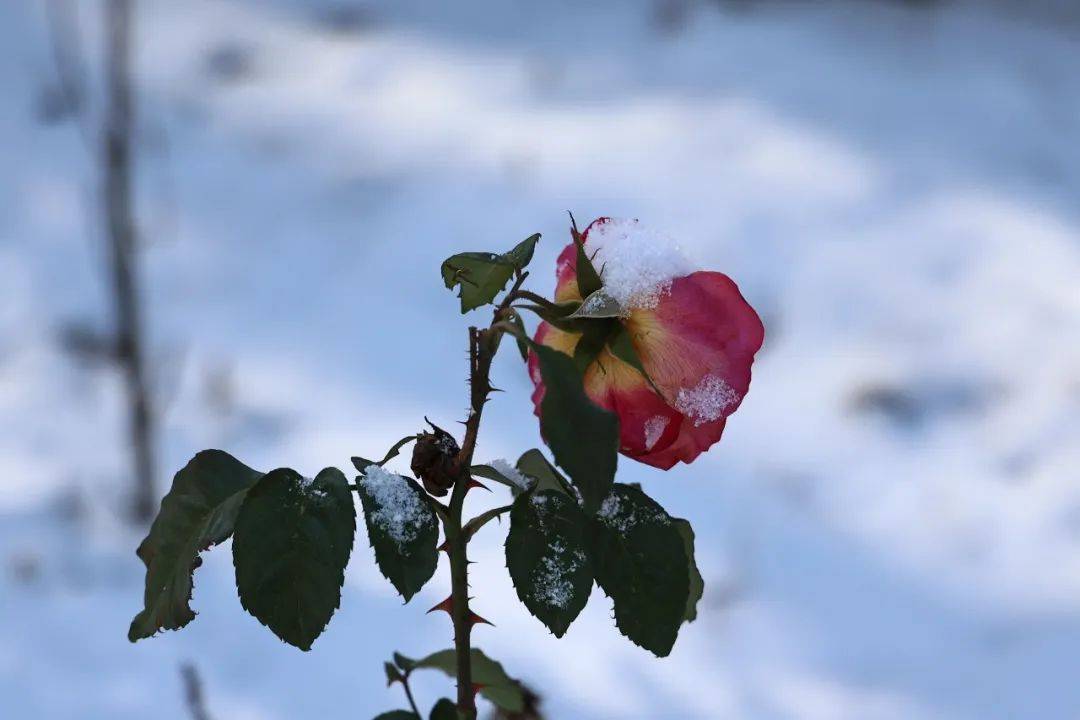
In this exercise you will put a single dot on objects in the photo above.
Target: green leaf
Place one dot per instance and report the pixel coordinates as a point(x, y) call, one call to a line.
point(402, 529)
point(393, 675)
point(198, 512)
point(495, 684)
point(488, 472)
point(583, 437)
point(445, 709)
point(292, 542)
point(697, 583)
point(361, 464)
point(398, 715)
point(547, 554)
point(599, 305)
point(522, 254)
point(481, 276)
point(640, 561)
point(406, 664)
point(533, 464)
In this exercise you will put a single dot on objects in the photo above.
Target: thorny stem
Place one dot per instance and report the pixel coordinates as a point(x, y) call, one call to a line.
point(482, 346)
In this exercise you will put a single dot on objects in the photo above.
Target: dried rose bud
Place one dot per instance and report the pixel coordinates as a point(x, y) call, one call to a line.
point(434, 460)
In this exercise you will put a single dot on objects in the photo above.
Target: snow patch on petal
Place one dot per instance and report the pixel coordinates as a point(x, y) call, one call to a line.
point(707, 401)
point(654, 428)
point(636, 264)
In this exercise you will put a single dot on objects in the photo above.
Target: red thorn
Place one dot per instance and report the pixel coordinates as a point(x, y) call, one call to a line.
point(477, 687)
point(445, 547)
point(447, 605)
point(477, 484)
point(477, 620)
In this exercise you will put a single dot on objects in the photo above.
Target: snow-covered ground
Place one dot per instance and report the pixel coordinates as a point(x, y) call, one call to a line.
point(890, 528)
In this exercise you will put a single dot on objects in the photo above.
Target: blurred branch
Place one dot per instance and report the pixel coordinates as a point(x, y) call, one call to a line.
point(193, 692)
point(63, 27)
point(120, 228)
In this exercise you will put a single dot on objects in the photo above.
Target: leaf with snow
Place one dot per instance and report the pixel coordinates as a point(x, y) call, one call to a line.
point(198, 512)
point(547, 555)
point(640, 561)
point(504, 473)
point(402, 528)
point(292, 542)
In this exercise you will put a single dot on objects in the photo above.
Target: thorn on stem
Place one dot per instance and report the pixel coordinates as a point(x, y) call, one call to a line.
point(446, 605)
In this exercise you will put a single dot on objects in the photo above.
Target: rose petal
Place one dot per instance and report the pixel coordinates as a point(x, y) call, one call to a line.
point(698, 344)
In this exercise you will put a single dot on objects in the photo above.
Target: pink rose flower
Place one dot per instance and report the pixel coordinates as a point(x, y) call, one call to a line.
point(694, 333)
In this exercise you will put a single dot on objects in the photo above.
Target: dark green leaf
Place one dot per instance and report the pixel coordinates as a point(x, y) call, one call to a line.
point(697, 583)
point(402, 529)
point(640, 561)
point(583, 437)
point(496, 684)
point(547, 554)
point(291, 545)
point(599, 305)
point(445, 709)
point(533, 464)
point(198, 512)
point(398, 715)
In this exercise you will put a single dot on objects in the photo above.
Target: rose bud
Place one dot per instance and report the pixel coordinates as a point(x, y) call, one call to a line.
point(693, 332)
point(434, 460)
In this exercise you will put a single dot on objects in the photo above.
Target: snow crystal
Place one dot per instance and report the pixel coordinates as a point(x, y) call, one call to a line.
point(553, 577)
point(624, 518)
point(636, 264)
point(654, 428)
point(511, 473)
point(706, 401)
point(400, 511)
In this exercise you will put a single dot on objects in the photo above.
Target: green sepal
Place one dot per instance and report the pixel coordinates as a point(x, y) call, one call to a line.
point(361, 464)
point(588, 279)
point(599, 304)
point(198, 512)
point(292, 542)
point(583, 437)
point(640, 560)
point(547, 554)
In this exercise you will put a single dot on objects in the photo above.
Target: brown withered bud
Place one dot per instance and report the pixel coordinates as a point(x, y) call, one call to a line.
point(434, 460)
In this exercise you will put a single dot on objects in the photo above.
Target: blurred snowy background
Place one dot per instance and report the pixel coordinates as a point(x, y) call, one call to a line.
point(890, 528)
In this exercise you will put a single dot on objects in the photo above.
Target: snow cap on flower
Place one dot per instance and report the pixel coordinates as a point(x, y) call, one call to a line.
point(693, 331)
